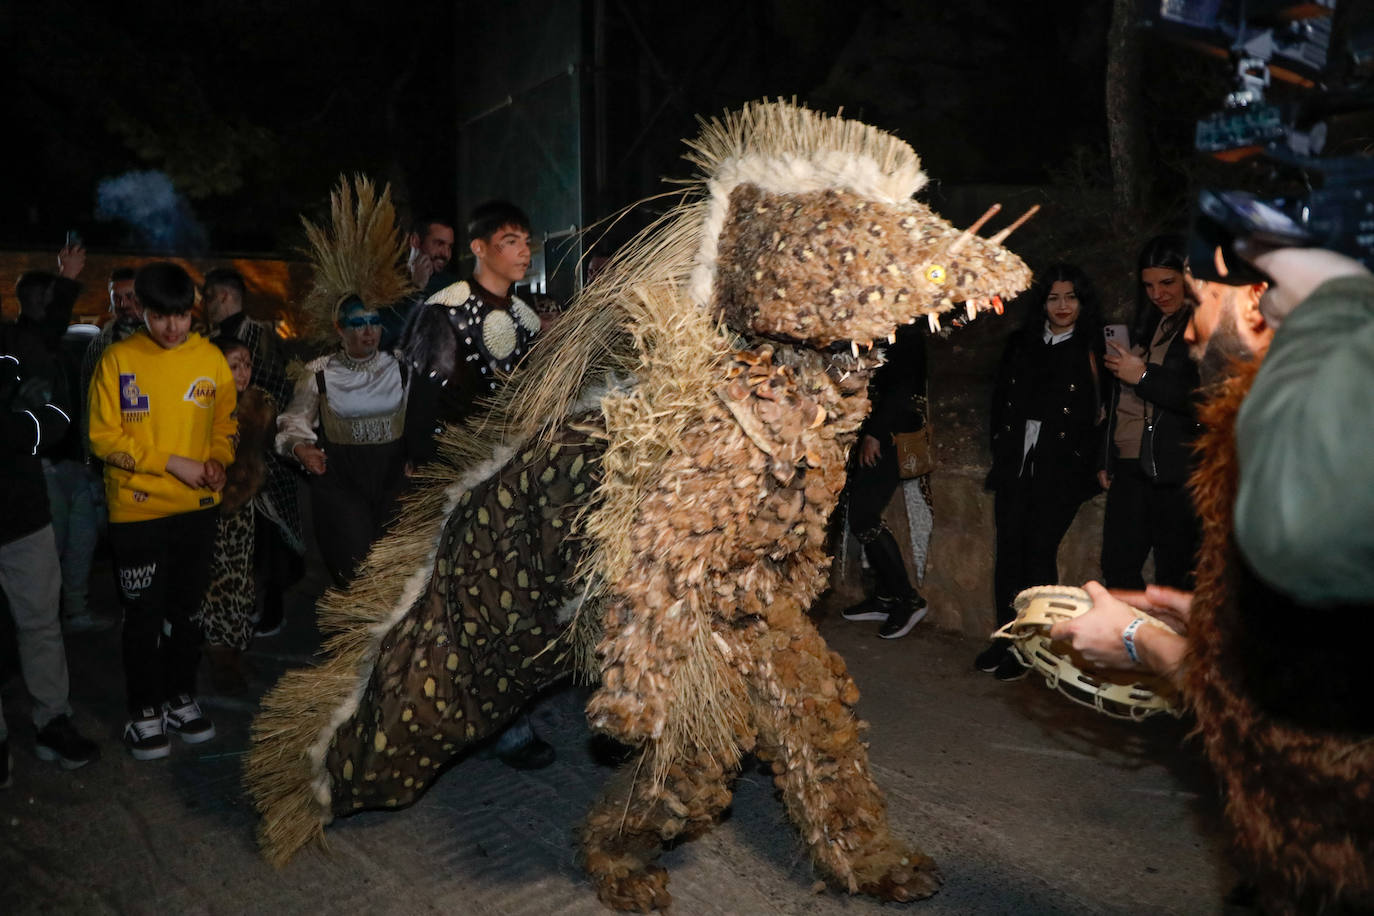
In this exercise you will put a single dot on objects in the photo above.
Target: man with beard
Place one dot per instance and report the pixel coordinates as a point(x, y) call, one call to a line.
point(1274, 678)
point(431, 251)
point(126, 317)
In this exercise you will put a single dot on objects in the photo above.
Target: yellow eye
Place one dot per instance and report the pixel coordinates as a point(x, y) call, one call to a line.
point(935, 273)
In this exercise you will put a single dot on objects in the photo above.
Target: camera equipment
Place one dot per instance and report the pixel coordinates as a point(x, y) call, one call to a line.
point(1325, 47)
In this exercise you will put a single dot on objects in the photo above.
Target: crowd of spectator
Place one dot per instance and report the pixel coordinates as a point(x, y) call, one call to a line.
point(175, 434)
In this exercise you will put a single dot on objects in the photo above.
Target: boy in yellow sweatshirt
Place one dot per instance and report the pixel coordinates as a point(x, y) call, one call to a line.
point(162, 404)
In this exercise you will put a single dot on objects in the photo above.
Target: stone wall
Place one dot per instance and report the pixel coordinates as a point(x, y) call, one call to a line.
point(958, 581)
point(958, 578)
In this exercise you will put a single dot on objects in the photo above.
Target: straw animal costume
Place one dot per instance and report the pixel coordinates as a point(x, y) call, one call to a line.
point(665, 533)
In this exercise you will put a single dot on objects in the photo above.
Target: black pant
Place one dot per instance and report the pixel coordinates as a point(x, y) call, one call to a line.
point(1032, 515)
point(1142, 516)
point(870, 490)
point(162, 569)
point(276, 567)
point(354, 501)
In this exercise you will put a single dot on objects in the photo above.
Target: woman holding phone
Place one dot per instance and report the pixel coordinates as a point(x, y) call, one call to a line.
point(1150, 429)
point(1046, 412)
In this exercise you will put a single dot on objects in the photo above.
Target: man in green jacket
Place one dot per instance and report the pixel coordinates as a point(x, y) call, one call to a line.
point(1305, 511)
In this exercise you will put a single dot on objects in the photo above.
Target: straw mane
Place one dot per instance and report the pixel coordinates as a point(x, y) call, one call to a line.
point(360, 253)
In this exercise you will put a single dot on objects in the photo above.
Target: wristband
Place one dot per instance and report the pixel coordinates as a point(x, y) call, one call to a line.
point(1128, 639)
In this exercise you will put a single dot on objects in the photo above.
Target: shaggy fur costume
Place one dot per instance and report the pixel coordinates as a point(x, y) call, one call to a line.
point(1284, 707)
point(257, 416)
point(678, 515)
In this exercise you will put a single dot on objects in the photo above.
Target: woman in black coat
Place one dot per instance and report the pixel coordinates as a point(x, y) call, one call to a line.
point(1152, 422)
point(1045, 431)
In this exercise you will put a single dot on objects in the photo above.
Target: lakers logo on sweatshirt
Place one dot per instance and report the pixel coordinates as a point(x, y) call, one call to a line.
point(201, 393)
point(133, 403)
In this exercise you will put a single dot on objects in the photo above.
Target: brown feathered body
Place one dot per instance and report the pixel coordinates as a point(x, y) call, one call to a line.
point(664, 534)
point(1284, 706)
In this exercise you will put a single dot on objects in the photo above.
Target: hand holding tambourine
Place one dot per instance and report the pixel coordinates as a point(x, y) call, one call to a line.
point(1121, 694)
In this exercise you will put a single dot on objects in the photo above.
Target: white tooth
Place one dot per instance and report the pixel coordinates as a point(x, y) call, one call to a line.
point(854, 348)
point(970, 309)
point(892, 338)
point(934, 321)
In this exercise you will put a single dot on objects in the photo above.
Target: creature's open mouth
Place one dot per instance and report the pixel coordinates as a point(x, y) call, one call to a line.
point(846, 358)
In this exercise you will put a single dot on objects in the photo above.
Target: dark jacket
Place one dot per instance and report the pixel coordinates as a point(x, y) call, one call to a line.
point(29, 421)
point(1306, 499)
point(1059, 386)
point(895, 387)
point(71, 395)
point(1171, 393)
point(453, 369)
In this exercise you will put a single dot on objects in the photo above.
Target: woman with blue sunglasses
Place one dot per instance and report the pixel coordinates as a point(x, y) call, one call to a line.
point(346, 425)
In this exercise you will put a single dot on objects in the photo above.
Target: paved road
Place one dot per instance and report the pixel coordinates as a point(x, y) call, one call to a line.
point(1029, 803)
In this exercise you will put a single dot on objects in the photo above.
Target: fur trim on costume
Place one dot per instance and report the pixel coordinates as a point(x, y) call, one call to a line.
point(257, 416)
point(1283, 705)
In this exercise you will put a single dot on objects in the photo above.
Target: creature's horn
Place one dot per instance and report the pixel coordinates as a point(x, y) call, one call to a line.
point(1001, 237)
point(971, 231)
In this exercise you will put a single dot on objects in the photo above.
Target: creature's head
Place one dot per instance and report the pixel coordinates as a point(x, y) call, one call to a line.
point(812, 235)
point(799, 228)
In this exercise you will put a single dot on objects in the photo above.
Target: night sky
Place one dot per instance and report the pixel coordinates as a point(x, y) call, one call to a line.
point(252, 109)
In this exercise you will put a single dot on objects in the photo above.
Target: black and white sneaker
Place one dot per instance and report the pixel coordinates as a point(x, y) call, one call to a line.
point(992, 656)
point(874, 608)
point(59, 740)
point(1010, 668)
point(184, 717)
point(146, 736)
point(904, 616)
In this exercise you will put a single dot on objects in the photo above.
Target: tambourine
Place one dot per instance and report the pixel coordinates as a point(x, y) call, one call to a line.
point(1122, 695)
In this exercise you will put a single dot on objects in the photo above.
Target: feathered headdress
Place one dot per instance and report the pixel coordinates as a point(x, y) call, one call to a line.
point(361, 253)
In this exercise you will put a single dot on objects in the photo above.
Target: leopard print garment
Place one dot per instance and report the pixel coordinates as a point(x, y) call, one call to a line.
point(472, 650)
point(226, 613)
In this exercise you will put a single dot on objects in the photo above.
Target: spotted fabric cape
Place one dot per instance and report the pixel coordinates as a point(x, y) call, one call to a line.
point(1284, 705)
point(482, 640)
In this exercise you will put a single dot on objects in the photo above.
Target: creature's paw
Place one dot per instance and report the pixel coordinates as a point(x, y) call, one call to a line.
point(635, 890)
point(914, 877)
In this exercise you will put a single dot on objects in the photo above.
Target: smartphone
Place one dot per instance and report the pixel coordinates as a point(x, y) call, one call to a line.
point(73, 238)
point(1117, 334)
